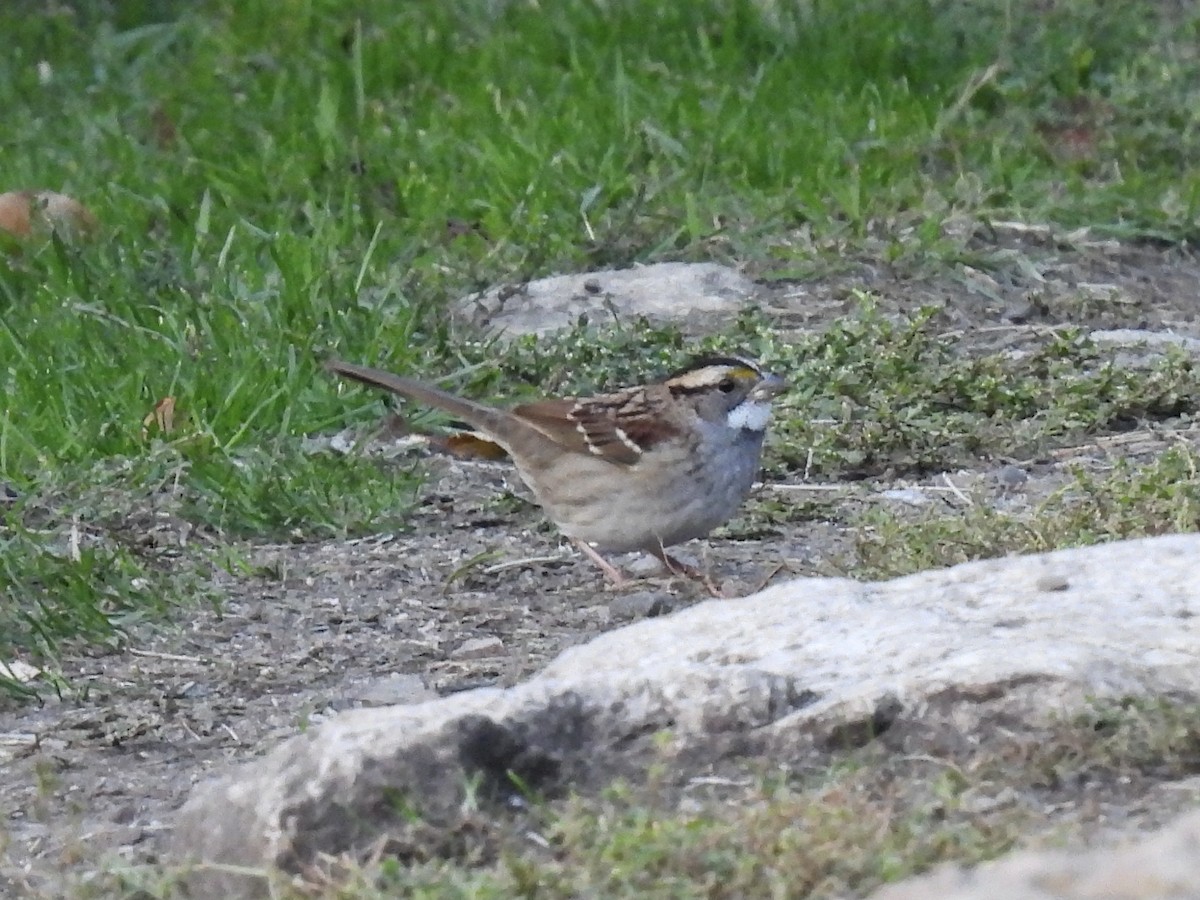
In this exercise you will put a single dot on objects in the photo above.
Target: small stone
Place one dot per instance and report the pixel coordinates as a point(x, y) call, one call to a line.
point(126, 814)
point(640, 605)
point(1019, 315)
point(479, 648)
point(1011, 477)
point(647, 566)
point(911, 496)
point(19, 671)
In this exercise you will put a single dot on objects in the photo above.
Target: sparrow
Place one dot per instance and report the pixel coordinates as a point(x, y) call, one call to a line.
point(641, 468)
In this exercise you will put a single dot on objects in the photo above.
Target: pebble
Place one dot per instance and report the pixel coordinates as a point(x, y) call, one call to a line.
point(1011, 477)
point(911, 496)
point(647, 566)
point(640, 605)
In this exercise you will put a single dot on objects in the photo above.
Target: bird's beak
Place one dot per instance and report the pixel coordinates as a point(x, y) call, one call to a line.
point(770, 386)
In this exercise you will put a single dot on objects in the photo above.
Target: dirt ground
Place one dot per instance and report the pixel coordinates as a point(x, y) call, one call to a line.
point(480, 591)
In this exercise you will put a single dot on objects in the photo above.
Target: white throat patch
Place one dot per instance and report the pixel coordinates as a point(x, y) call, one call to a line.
point(753, 415)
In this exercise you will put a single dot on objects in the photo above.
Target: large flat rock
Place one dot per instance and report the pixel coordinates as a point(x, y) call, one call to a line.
point(814, 659)
point(662, 292)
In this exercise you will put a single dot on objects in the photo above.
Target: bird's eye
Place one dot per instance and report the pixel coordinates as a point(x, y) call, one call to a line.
point(726, 385)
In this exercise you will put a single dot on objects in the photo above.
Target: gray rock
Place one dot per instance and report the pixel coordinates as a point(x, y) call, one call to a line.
point(1164, 865)
point(820, 660)
point(909, 496)
point(1011, 478)
point(647, 566)
point(664, 292)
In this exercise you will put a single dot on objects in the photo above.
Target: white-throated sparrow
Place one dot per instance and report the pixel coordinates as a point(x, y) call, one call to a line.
point(641, 468)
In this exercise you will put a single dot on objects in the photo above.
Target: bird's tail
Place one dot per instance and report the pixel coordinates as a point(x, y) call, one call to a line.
point(484, 418)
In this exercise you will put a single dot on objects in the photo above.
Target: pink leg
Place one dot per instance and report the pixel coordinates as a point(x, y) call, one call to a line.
point(612, 572)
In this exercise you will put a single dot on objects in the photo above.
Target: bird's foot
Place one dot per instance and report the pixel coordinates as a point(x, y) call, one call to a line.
point(678, 567)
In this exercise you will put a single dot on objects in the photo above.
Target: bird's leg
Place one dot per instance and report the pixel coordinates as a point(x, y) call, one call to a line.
point(678, 567)
point(613, 574)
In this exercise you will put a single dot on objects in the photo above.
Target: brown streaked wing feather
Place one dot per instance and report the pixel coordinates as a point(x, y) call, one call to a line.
point(615, 427)
point(641, 423)
point(553, 419)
